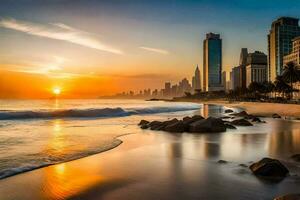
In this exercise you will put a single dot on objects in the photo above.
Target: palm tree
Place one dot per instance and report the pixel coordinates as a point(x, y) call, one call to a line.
point(291, 74)
point(281, 86)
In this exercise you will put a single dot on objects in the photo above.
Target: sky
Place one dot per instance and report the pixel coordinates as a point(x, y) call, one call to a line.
point(91, 48)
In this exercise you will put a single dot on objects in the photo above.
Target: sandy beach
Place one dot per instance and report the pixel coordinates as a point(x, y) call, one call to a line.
point(161, 165)
point(257, 108)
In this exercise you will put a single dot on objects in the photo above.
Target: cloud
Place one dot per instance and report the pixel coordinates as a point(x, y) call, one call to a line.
point(59, 31)
point(161, 51)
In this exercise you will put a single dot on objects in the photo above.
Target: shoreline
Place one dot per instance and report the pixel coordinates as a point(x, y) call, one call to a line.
point(255, 108)
point(159, 164)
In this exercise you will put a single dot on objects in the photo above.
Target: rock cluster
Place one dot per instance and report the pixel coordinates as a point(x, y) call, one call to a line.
point(195, 124)
point(198, 124)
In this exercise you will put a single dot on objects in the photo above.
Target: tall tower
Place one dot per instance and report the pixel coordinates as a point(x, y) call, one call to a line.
point(212, 62)
point(243, 62)
point(283, 30)
point(197, 79)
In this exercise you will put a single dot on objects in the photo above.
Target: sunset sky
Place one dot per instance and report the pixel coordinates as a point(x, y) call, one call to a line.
point(92, 48)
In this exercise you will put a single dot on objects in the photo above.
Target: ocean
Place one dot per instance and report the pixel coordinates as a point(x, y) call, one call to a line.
point(37, 133)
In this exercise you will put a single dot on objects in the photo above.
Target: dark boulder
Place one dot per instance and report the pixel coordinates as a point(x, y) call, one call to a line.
point(268, 167)
point(144, 126)
point(296, 157)
point(225, 117)
point(190, 120)
point(229, 126)
point(155, 125)
point(276, 116)
point(143, 122)
point(256, 119)
point(186, 118)
point(228, 111)
point(158, 126)
point(177, 127)
point(241, 114)
point(241, 122)
point(289, 197)
point(211, 125)
point(222, 162)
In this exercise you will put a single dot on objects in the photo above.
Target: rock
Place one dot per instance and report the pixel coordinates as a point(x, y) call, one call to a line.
point(225, 117)
point(222, 162)
point(296, 157)
point(289, 197)
point(276, 116)
point(177, 127)
point(189, 120)
point(241, 122)
point(155, 125)
point(210, 125)
point(241, 114)
point(228, 111)
point(144, 126)
point(159, 126)
point(268, 167)
point(256, 119)
point(229, 126)
point(143, 122)
point(243, 165)
point(186, 118)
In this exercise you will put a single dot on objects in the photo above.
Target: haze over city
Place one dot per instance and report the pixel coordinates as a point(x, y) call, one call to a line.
point(98, 48)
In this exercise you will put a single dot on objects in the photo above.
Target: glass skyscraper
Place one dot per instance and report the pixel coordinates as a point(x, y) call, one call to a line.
point(212, 62)
point(282, 32)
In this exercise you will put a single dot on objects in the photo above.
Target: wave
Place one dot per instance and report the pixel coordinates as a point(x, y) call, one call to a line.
point(91, 112)
point(39, 161)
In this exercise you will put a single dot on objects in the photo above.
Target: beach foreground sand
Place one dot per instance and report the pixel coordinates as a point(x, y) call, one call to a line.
point(160, 166)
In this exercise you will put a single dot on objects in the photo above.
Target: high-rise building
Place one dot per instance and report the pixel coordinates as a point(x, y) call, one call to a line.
point(256, 69)
point(236, 77)
point(184, 86)
point(224, 80)
point(212, 62)
point(196, 81)
point(294, 56)
point(242, 64)
point(167, 90)
point(283, 30)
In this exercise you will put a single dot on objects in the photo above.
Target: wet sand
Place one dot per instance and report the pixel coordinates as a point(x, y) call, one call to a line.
point(159, 165)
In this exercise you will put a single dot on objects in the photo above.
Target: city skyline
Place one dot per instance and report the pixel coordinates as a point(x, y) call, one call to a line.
point(92, 54)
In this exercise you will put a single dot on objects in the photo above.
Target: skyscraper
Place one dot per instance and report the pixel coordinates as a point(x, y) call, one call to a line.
point(243, 61)
point(196, 83)
point(212, 62)
point(282, 32)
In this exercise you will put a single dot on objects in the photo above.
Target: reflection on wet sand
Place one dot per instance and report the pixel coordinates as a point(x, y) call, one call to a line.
point(284, 139)
point(62, 181)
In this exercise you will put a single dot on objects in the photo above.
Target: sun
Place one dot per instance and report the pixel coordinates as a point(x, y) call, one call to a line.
point(56, 91)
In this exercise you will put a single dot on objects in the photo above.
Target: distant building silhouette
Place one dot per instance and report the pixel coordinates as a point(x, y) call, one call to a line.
point(212, 62)
point(242, 64)
point(236, 74)
point(167, 90)
point(283, 30)
point(256, 68)
point(196, 80)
